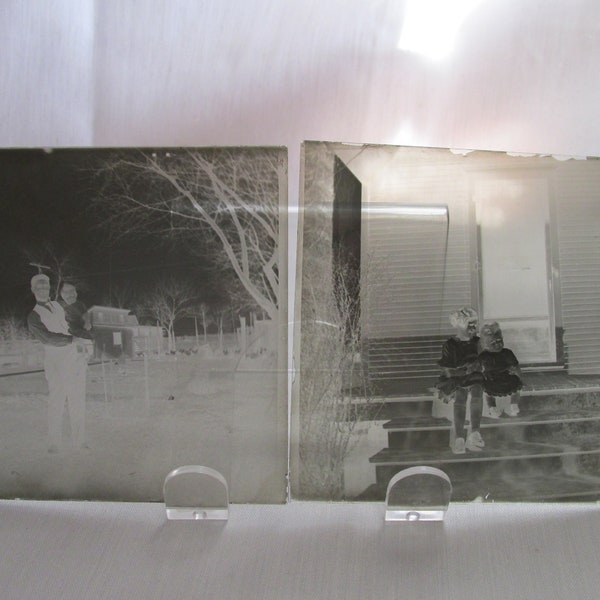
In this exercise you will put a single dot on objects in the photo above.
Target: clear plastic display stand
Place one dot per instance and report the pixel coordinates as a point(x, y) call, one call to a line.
point(418, 494)
point(196, 493)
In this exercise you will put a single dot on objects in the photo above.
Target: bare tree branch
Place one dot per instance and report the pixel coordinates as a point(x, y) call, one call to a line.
point(227, 196)
point(167, 302)
point(60, 267)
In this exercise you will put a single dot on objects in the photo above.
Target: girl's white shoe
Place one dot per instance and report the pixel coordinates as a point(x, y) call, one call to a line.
point(475, 442)
point(512, 410)
point(494, 412)
point(459, 446)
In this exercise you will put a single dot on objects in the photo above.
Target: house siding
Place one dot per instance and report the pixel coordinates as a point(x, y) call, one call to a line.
point(408, 301)
point(420, 269)
point(577, 196)
point(412, 277)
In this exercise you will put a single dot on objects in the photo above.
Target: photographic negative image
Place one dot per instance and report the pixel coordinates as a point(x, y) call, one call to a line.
point(448, 317)
point(142, 321)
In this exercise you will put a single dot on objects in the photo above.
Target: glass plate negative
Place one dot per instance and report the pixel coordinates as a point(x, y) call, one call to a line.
point(449, 318)
point(143, 321)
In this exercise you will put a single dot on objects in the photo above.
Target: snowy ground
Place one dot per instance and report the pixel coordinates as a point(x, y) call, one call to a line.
point(218, 412)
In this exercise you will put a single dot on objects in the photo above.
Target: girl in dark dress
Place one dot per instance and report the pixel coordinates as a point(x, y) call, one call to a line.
point(461, 376)
point(501, 372)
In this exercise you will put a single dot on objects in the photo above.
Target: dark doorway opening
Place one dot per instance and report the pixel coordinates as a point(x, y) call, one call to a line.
point(347, 244)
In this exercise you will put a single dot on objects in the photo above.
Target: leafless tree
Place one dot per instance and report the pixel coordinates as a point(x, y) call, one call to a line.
point(167, 302)
point(121, 295)
point(12, 328)
point(334, 392)
point(203, 311)
point(59, 266)
point(225, 200)
point(334, 398)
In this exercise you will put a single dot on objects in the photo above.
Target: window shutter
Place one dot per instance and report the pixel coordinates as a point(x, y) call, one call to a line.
point(578, 215)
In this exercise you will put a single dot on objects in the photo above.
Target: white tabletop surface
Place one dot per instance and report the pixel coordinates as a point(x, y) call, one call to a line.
point(300, 550)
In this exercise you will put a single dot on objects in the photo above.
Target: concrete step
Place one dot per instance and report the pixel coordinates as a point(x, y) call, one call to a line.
point(542, 384)
point(557, 487)
point(524, 419)
point(526, 451)
point(575, 454)
point(429, 432)
point(556, 436)
point(381, 408)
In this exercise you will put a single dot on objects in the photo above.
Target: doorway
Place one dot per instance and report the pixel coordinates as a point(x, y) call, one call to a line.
point(514, 263)
point(346, 244)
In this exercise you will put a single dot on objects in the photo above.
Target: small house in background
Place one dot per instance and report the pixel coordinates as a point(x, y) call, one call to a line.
point(115, 331)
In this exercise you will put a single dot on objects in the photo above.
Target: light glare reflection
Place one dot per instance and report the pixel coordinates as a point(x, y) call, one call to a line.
point(410, 211)
point(430, 26)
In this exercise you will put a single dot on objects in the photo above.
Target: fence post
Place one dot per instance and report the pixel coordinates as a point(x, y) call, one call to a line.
point(244, 341)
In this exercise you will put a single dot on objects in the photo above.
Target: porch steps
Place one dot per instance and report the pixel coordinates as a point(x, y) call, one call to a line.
point(559, 487)
point(429, 423)
point(515, 451)
point(533, 398)
point(381, 408)
point(473, 474)
point(555, 438)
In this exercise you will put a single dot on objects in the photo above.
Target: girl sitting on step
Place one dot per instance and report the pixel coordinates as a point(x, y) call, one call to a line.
point(461, 376)
point(501, 372)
